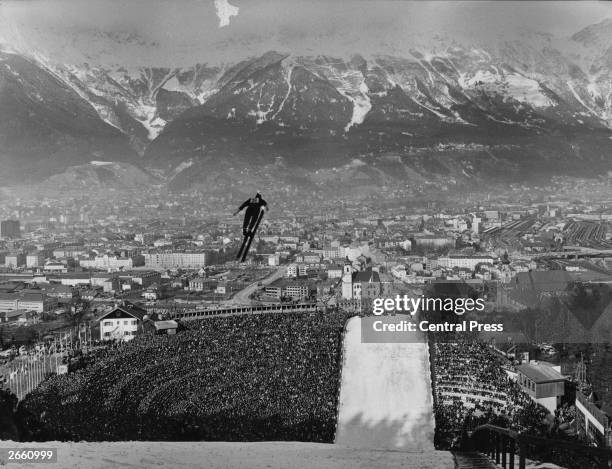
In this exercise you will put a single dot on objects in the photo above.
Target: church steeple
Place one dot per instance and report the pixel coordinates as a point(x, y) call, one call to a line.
point(347, 280)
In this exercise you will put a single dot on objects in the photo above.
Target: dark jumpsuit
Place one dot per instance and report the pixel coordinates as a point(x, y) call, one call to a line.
point(252, 211)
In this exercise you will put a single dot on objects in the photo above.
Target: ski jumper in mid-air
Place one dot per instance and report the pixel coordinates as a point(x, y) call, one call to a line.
point(253, 207)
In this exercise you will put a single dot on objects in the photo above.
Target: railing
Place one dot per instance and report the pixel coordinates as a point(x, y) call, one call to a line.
point(595, 411)
point(505, 446)
point(24, 374)
point(237, 310)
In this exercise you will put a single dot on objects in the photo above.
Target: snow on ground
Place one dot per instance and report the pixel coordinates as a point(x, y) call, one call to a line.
point(355, 163)
point(385, 395)
point(579, 99)
point(272, 455)
point(526, 90)
point(439, 114)
point(511, 85)
point(288, 72)
point(351, 84)
point(154, 126)
point(182, 166)
point(361, 105)
point(540, 465)
point(593, 90)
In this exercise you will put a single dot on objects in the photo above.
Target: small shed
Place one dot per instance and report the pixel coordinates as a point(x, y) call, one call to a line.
point(543, 383)
point(166, 327)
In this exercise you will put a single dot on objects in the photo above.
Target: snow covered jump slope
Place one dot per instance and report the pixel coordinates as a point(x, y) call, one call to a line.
point(385, 395)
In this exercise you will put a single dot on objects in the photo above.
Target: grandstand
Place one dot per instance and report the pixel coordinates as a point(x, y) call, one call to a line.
point(231, 378)
point(472, 388)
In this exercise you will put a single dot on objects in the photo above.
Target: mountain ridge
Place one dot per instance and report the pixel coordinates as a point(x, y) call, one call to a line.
point(521, 106)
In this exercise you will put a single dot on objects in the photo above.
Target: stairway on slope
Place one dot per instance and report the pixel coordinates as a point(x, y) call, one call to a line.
point(473, 460)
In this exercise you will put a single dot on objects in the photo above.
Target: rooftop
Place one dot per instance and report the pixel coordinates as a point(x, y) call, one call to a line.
point(163, 325)
point(540, 373)
point(366, 276)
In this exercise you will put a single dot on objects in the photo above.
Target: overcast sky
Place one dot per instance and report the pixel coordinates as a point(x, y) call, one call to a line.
point(175, 32)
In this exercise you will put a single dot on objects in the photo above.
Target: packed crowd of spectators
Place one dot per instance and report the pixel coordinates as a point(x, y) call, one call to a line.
point(472, 388)
point(241, 378)
point(8, 404)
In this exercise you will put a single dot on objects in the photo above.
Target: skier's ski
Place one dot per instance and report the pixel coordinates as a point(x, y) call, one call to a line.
point(244, 241)
point(244, 250)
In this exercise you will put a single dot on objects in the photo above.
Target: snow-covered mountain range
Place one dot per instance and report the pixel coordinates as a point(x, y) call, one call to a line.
point(526, 105)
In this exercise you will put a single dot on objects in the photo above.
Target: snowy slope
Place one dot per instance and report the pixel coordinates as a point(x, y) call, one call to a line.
point(267, 455)
point(385, 396)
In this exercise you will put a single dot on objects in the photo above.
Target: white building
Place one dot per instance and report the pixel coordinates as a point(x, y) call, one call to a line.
point(465, 262)
point(274, 259)
point(142, 278)
point(122, 322)
point(14, 260)
point(174, 260)
point(74, 279)
point(331, 252)
point(201, 283)
point(347, 282)
point(143, 238)
point(159, 243)
point(354, 283)
point(334, 271)
point(434, 241)
point(297, 270)
point(354, 251)
point(151, 294)
point(35, 259)
point(109, 262)
point(38, 302)
point(544, 383)
point(475, 225)
point(56, 267)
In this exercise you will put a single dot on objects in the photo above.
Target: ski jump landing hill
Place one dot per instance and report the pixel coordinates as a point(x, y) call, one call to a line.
point(385, 394)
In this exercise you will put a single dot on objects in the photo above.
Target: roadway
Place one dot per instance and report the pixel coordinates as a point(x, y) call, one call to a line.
point(242, 297)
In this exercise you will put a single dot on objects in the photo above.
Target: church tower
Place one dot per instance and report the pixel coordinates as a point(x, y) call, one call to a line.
point(347, 281)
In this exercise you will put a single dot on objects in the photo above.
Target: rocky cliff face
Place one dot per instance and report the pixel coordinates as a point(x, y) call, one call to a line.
point(45, 126)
